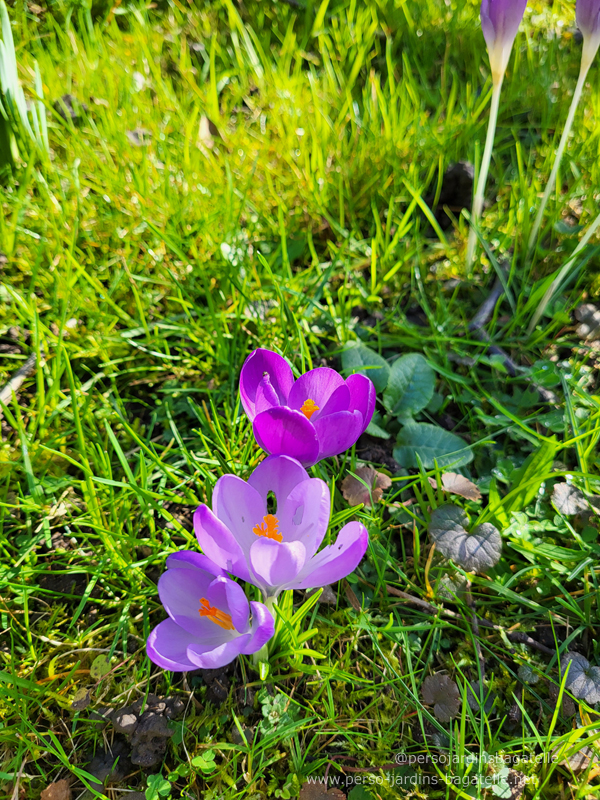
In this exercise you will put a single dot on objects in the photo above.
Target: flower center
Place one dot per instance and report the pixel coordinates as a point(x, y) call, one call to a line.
point(215, 615)
point(268, 528)
point(308, 408)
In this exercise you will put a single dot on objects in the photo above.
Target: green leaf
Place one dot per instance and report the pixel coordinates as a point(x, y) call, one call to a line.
point(410, 386)
point(475, 551)
point(358, 358)
point(375, 429)
point(530, 476)
point(431, 443)
point(100, 667)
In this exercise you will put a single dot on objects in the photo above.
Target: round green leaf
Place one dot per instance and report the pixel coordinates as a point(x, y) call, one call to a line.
point(357, 357)
point(476, 551)
point(100, 667)
point(431, 443)
point(410, 385)
point(583, 681)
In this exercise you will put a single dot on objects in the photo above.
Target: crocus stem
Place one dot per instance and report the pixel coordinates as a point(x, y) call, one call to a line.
point(263, 653)
point(484, 168)
point(587, 57)
point(564, 270)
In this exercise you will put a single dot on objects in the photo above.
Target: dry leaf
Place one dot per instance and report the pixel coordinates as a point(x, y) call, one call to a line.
point(352, 598)
point(60, 790)
point(355, 491)
point(81, 700)
point(517, 782)
point(454, 483)
point(318, 791)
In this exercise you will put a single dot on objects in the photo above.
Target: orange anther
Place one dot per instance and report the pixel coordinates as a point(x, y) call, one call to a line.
point(269, 528)
point(215, 615)
point(308, 408)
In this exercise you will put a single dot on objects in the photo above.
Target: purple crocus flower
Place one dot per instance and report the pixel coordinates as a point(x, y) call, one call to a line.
point(317, 416)
point(587, 14)
point(278, 550)
point(500, 20)
point(209, 617)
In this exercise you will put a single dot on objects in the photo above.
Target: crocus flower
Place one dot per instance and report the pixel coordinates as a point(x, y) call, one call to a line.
point(317, 416)
point(209, 617)
point(500, 20)
point(277, 549)
point(587, 13)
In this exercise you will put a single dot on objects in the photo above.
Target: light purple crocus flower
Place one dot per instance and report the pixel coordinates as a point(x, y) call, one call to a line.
point(500, 20)
point(278, 550)
point(587, 14)
point(209, 617)
point(317, 416)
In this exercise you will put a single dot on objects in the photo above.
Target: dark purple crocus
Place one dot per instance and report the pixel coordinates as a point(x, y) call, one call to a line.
point(209, 617)
point(277, 549)
point(500, 20)
point(317, 416)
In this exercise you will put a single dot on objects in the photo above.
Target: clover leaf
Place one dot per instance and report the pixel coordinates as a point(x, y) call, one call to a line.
point(475, 551)
point(583, 681)
point(442, 693)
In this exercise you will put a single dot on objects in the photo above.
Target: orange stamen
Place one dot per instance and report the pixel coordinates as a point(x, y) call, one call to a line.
point(308, 408)
point(268, 528)
point(215, 615)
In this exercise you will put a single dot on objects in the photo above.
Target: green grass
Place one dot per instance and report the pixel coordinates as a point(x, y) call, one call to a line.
point(142, 276)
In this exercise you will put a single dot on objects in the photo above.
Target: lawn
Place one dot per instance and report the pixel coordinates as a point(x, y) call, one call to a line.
point(233, 175)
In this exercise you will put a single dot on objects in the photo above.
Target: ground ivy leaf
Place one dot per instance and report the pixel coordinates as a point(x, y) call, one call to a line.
point(441, 692)
point(432, 443)
point(569, 500)
point(476, 551)
point(527, 675)
point(357, 357)
point(583, 681)
point(410, 385)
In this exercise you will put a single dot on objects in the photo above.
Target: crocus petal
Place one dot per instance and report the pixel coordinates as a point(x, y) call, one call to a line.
point(362, 397)
point(266, 396)
point(317, 385)
point(335, 561)
point(500, 20)
point(263, 628)
point(167, 647)
point(229, 596)
point(338, 432)
point(256, 365)
point(276, 563)
point(282, 431)
point(180, 591)
point(215, 657)
point(587, 16)
point(278, 474)
point(190, 559)
point(239, 507)
point(304, 516)
point(339, 400)
point(219, 544)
